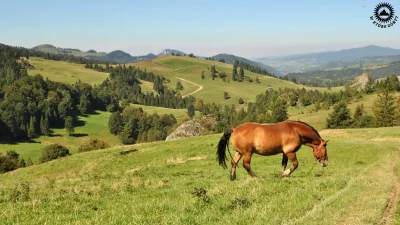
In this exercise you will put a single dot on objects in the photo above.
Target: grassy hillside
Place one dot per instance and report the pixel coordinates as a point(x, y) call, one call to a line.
point(318, 119)
point(65, 72)
point(91, 126)
point(180, 182)
point(187, 69)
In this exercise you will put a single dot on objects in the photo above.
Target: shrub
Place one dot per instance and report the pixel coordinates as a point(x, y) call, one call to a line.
point(52, 152)
point(93, 144)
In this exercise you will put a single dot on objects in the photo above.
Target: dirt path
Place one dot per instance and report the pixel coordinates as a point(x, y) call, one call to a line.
point(200, 86)
point(394, 196)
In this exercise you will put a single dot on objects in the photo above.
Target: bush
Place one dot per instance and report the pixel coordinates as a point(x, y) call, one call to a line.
point(52, 152)
point(93, 144)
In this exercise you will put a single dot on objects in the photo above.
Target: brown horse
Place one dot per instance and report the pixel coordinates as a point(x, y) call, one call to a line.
point(270, 139)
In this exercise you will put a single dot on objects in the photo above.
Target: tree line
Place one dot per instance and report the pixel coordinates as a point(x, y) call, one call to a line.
point(340, 77)
point(386, 109)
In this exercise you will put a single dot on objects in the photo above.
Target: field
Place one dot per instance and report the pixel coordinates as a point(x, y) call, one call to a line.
point(318, 119)
point(65, 72)
point(180, 182)
point(91, 126)
point(188, 71)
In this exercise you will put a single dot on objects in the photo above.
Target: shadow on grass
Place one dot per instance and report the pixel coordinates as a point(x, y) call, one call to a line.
point(79, 135)
point(15, 142)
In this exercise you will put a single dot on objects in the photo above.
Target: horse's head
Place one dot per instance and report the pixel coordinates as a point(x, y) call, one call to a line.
point(321, 153)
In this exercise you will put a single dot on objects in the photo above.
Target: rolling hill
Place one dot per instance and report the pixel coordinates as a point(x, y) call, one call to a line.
point(230, 59)
point(65, 72)
point(117, 56)
point(188, 71)
point(180, 182)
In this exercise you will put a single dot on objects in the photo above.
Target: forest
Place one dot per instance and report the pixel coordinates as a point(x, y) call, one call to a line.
point(340, 77)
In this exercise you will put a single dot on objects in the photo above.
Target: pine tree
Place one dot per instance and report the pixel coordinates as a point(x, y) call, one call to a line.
point(234, 74)
point(69, 125)
point(241, 74)
point(359, 112)
point(84, 104)
point(190, 111)
point(226, 95)
point(340, 117)
point(213, 72)
point(31, 128)
point(115, 123)
point(179, 85)
point(279, 111)
point(384, 109)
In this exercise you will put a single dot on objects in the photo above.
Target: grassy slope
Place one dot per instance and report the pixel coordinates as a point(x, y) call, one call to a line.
point(156, 184)
point(318, 119)
point(180, 114)
point(92, 126)
point(65, 72)
point(191, 69)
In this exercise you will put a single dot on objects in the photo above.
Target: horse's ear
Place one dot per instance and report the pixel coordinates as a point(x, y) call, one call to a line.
point(326, 141)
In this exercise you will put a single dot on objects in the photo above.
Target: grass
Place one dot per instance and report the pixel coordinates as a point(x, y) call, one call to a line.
point(180, 182)
point(175, 67)
point(180, 114)
point(65, 72)
point(318, 119)
point(147, 87)
point(91, 126)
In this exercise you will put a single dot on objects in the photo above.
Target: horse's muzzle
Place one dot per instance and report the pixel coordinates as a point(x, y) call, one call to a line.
point(324, 163)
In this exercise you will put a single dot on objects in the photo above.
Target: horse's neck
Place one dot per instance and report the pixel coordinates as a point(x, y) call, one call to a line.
point(308, 136)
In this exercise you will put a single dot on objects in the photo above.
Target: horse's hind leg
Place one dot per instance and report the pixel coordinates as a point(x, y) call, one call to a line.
point(235, 161)
point(246, 164)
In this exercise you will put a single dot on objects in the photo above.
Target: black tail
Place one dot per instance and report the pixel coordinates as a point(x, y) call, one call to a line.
point(221, 152)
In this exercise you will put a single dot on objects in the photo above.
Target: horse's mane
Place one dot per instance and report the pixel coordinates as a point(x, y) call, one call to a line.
point(298, 121)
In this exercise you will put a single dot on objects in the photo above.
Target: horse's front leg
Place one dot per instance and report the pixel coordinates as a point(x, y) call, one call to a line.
point(284, 162)
point(295, 164)
point(235, 161)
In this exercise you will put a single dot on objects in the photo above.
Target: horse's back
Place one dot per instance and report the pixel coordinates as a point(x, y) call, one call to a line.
point(263, 139)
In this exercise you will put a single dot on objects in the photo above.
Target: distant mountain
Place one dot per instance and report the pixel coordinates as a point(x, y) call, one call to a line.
point(349, 54)
point(117, 56)
point(170, 51)
point(230, 59)
point(327, 60)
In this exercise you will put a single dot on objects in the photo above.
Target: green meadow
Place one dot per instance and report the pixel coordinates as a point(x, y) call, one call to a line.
point(177, 68)
point(180, 182)
point(65, 72)
point(87, 127)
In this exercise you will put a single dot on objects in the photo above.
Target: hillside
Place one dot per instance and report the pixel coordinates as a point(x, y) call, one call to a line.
point(230, 59)
point(180, 182)
point(188, 71)
point(330, 59)
point(339, 77)
point(65, 72)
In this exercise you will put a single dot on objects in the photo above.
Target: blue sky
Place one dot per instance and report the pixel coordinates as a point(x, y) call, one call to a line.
point(245, 28)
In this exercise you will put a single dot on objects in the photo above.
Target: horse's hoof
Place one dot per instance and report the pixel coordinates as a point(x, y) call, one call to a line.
point(233, 178)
